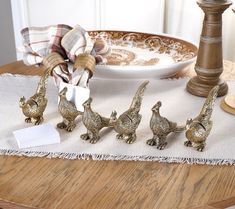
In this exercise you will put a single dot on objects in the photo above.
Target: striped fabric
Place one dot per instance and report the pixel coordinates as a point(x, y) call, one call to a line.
point(67, 41)
point(40, 41)
point(77, 41)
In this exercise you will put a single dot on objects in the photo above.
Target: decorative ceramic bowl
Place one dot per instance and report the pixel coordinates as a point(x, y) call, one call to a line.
point(142, 55)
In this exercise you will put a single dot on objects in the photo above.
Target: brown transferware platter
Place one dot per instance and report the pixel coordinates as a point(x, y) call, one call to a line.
point(143, 55)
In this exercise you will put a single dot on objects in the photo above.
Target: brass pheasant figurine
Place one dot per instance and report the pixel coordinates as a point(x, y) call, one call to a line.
point(93, 121)
point(161, 128)
point(198, 129)
point(127, 123)
point(35, 106)
point(68, 111)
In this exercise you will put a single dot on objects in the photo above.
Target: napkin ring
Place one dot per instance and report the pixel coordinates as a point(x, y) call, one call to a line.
point(52, 60)
point(85, 61)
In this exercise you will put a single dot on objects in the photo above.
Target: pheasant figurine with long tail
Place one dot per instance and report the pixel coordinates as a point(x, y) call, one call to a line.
point(127, 123)
point(199, 128)
point(35, 106)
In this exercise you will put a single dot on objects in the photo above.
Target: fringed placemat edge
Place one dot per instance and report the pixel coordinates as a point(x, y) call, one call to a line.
point(105, 157)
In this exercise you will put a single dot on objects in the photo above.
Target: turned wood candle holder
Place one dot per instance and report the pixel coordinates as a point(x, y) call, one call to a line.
point(209, 64)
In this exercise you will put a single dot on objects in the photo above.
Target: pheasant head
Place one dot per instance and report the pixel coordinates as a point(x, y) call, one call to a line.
point(87, 103)
point(113, 118)
point(63, 92)
point(156, 107)
point(22, 102)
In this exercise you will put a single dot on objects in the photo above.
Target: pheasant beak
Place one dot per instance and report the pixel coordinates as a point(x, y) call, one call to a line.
point(63, 91)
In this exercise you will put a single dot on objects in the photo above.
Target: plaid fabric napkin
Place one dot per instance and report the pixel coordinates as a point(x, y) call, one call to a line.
point(78, 41)
point(41, 41)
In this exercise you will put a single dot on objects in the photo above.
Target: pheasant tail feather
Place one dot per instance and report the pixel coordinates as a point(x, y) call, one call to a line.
point(210, 101)
point(41, 89)
point(105, 121)
point(136, 102)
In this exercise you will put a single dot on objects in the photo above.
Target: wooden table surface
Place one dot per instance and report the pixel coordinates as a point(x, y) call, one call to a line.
point(66, 184)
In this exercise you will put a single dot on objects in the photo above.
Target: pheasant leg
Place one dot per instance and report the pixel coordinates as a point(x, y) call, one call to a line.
point(70, 126)
point(200, 146)
point(95, 137)
point(28, 120)
point(131, 138)
point(62, 125)
point(188, 143)
point(120, 136)
point(38, 120)
point(86, 136)
point(161, 143)
point(153, 141)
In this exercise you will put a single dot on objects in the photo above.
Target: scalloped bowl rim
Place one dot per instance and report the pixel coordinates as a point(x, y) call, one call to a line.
point(153, 69)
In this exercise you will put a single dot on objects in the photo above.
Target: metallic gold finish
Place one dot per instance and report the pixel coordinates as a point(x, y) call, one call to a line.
point(35, 106)
point(68, 111)
point(127, 123)
point(85, 61)
point(52, 60)
point(93, 121)
point(161, 128)
point(198, 129)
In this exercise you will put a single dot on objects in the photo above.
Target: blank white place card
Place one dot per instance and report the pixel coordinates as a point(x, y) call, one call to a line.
point(37, 136)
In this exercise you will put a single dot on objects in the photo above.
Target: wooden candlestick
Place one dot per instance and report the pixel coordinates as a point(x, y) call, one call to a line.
point(209, 64)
